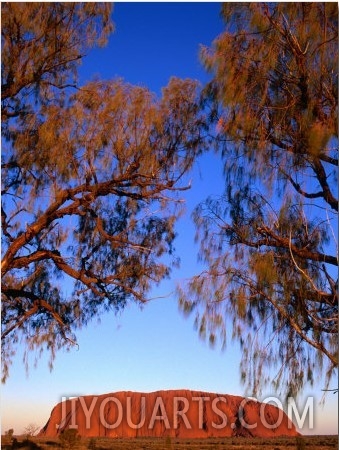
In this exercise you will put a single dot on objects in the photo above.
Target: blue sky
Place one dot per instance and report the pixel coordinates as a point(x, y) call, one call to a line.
point(156, 348)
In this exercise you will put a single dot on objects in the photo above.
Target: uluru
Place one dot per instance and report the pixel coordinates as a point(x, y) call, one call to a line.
point(173, 413)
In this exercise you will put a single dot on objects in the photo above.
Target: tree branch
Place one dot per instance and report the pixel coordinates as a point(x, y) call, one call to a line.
point(38, 303)
point(281, 242)
point(300, 191)
point(120, 186)
point(322, 178)
point(317, 345)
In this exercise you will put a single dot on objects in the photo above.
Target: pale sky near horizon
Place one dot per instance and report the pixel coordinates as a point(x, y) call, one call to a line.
point(156, 348)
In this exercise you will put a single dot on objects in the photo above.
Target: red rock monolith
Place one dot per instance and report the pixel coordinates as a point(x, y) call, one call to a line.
point(174, 413)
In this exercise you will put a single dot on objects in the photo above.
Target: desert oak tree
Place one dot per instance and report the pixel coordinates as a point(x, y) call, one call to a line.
point(91, 178)
point(270, 242)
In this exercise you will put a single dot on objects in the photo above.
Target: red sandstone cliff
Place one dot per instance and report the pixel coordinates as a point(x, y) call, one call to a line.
point(176, 413)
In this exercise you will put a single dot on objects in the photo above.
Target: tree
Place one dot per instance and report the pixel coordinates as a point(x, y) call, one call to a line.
point(32, 429)
point(269, 242)
point(69, 438)
point(42, 45)
point(7, 439)
point(91, 180)
point(9, 433)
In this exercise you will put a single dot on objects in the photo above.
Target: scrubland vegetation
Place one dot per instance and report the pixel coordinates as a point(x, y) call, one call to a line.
point(299, 443)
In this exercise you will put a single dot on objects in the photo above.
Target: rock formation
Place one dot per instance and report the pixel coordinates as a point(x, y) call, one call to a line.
point(175, 413)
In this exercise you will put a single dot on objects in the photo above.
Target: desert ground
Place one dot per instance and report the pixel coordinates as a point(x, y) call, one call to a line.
point(299, 443)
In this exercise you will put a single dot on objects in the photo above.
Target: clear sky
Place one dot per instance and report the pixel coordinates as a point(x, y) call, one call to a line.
point(156, 348)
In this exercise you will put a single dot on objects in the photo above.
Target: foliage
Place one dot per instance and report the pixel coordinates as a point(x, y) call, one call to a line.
point(91, 181)
point(26, 444)
point(42, 45)
point(9, 433)
point(69, 438)
point(103, 443)
point(168, 442)
point(269, 242)
point(92, 445)
point(32, 429)
point(301, 444)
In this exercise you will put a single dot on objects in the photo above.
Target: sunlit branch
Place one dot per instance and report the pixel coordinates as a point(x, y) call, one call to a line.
point(273, 240)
